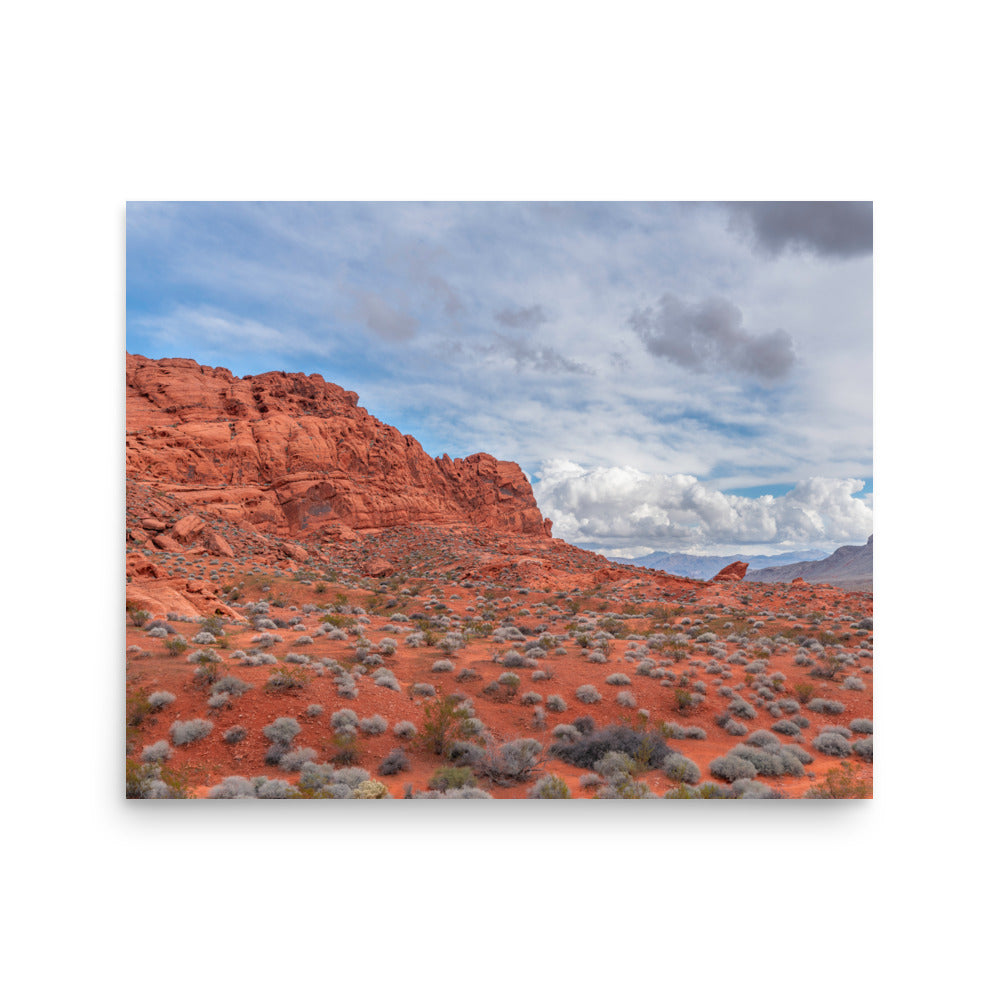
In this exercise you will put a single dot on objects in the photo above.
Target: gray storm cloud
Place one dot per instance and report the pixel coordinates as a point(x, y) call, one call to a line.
point(526, 318)
point(384, 320)
point(827, 228)
point(709, 335)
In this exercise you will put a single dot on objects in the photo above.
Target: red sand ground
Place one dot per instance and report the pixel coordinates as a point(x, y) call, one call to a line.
point(736, 606)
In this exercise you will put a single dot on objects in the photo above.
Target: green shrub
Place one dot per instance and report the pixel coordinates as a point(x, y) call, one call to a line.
point(550, 786)
point(841, 783)
point(452, 777)
point(445, 721)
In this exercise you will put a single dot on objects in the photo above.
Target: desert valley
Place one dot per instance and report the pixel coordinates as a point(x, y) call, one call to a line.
point(316, 608)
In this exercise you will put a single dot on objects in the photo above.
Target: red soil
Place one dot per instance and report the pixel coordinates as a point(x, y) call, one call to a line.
point(206, 762)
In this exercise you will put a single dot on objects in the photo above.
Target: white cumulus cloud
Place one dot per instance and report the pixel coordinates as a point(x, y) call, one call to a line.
point(623, 506)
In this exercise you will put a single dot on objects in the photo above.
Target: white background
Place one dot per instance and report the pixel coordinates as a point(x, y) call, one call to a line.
point(105, 103)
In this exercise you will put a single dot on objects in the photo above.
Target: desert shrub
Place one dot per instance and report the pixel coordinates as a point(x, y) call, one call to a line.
point(693, 733)
point(731, 768)
point(313, 711)
point(466, 674)
point(286, 679)
point(235, 734)
point(347, 687)
point(854, 684)
point(394, 762)
point(405, 729)
point(510, 763)
point(464, 753)
point(374, 726)
point(564, 731)
point(182, 733)
point(617, 680)
point(157, 752)
point(585, 724)
point(353, 777)
point(863, 748)
point(592, 745)
point(549, 786)
point(832, 744)
point(762, 738)
point(513, 660)
point(765, 761)
point(799, 752)
point(839, 730)
point(160, 699)
point(217, 701)
point(626, 699)
point(706, 790)
point(292, 760)
point(314, 776)
point(862, 726)
point(275, 788)
point(175, 646)
point(422, 690)
point(589, 780)
point(841, 783)
point(445, 720)
point(451, 777)
point(233, 787)
point(826, 706)
point(386, 678)
point(554, 703)
point(788, 705)
point(741, 709)
point(442, 667)
point(677, 767)
point(230, 685)
point(283, 730)
point(614, 766)
point(786, 727)
point(623, 787)
point(344, 718)
point(801, 721)
point(747, 788)
point(588, 694)
point(734, 728)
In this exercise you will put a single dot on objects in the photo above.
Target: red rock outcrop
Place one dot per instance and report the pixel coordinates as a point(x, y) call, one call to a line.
point(295, 456)
point(734, 571)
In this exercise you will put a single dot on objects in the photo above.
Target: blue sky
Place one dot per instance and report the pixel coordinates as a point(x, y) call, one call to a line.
point(683, 376)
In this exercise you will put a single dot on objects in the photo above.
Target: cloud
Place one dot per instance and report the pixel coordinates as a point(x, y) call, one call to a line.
point(543, 359)
point(826, 228)
point(384, 320)
point(527, 318)
point(621, 506)
point(710, 335)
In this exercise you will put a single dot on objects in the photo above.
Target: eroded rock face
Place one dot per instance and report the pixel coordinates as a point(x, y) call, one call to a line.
point(734, 571)
point(295, 456)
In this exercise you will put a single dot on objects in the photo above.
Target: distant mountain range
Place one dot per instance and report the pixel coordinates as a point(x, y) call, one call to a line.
point(850, 567)
point(705, 567)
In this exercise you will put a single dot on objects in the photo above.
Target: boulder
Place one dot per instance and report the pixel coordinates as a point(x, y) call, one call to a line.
point(733, 572)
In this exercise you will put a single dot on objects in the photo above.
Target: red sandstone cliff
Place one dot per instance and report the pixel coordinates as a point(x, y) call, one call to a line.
point(295, 456)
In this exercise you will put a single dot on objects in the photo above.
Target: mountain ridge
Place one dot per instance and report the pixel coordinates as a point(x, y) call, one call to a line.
point(850, 566)
point(705, 567)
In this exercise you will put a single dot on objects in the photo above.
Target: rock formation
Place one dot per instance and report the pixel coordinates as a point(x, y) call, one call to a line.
point(294, 456)
point(734, 571)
